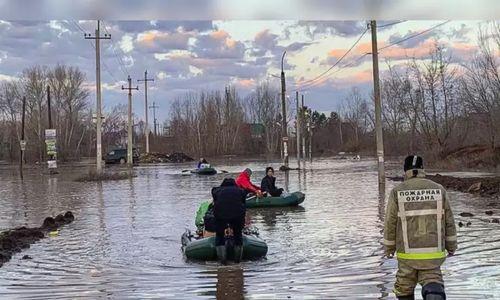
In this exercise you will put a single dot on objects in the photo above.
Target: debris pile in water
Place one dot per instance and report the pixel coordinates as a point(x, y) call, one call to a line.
point(484, 186)
point(487, 186)
point(14, 240)
point(156, 157)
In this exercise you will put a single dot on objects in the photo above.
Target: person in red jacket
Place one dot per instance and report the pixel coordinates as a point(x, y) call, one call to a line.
point(243, 182)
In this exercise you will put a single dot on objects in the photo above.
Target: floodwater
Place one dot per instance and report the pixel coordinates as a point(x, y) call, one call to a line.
point(125, 241)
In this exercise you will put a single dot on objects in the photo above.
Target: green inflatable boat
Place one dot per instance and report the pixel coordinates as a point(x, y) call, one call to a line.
point(204, 248)
point(292, 199)
point(205, 171)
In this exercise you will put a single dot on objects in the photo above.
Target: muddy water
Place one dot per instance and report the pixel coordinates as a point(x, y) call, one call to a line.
point(125, 242)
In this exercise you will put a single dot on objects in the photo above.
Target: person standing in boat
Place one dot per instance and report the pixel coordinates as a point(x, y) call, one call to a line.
point(203, 163)
point(268, 184)
point(229, 209)
point(243, 181)
point(419, 227)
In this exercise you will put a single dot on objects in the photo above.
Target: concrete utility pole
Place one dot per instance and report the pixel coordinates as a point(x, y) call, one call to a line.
point(154, 107)
point(378, 107)
point(283, 112)
point(130, 143)
point(304, 134)
point(97, 39)
point(23, 141)
point(297, 126)
point(146, 130)
point(310, 140)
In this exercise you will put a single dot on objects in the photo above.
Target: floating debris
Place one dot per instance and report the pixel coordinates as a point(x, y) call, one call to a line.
point(466, 214)
point(489, 213)
point(156, 157)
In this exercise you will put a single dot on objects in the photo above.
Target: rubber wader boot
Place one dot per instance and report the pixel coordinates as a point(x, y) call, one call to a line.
point(409, 297)
point(238, 253)
point(221, 254)
point(433, 291)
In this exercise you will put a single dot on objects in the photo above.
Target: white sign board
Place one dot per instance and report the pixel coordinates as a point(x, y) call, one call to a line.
point(50, 134)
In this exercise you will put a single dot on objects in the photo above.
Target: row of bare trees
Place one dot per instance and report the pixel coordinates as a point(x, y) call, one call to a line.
point(221, 122)
point(71, 115)
point(429, 105)
point(69, 108)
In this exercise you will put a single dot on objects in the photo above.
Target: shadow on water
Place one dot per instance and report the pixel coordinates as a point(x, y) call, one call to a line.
point(269, 216)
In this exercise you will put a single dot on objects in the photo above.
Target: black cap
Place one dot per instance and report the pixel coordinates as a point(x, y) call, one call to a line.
point(413, 162)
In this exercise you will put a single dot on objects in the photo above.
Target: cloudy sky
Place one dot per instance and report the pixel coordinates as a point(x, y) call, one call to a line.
point(203, 55)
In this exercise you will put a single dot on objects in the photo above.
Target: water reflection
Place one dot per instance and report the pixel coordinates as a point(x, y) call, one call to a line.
point(125, 241)
point(230, 283)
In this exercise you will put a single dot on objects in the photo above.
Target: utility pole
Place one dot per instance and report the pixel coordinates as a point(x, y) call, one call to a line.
point(130, 143)
point(284, 134)
point(97, 39)
point(146, 130)
point(304, 134)
point(50, 139)
point(154, 107)
point(310, 127)
point(378, 107)
point(297, 126)
point(23, 142)
point(49, 111)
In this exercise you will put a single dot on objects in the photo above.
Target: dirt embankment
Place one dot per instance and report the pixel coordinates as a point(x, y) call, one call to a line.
point(14, 240)
point(483, 186)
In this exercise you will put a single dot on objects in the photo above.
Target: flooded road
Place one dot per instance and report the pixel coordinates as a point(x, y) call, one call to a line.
point(125, 241)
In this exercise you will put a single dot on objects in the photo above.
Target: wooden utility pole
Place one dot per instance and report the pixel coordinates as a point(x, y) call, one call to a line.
point(23, 142)
point(378, 107)
point(50, 139)
point(130, 143)
point(154, 107)
point(97, 39)
point(284, 134)
point(297, 127)
point(49, 111)
point(146, 129)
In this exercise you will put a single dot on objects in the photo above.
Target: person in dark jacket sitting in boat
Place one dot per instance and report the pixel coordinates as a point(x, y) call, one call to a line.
point(243, 181)
point(268, 184)
point(229, 209)
point(203, 163)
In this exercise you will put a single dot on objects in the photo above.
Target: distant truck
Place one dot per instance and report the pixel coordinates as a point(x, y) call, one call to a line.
point(119, 155)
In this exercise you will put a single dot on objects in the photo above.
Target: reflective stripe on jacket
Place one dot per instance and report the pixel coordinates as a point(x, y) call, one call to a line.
point(419, 223)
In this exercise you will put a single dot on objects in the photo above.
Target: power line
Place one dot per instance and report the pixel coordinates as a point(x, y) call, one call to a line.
point(308, 82)
point(382, 48)
point(118, 57)
point(391, 24)
point(78, 27)
point(413, 36)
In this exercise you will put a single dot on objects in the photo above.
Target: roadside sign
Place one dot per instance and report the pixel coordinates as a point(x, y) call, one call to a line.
point(50, 134)
point(51, 146)
point(52, 164)
point(285, 139)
